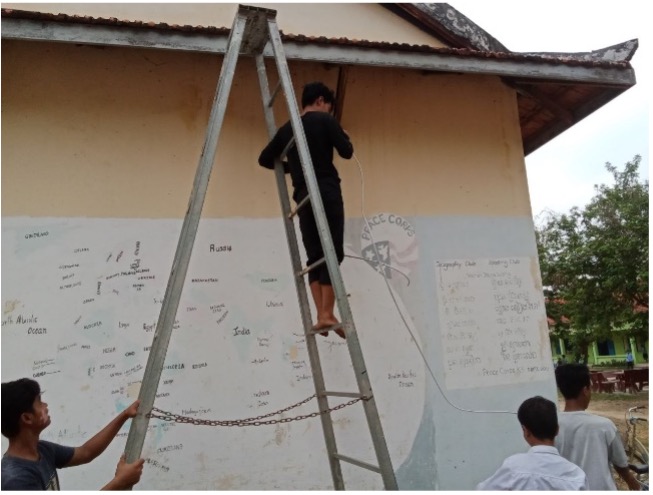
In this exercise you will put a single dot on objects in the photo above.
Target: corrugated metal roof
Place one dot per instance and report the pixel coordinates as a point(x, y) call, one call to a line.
point(549, 58)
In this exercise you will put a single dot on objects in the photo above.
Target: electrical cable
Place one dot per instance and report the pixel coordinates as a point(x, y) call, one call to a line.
point(394, 300)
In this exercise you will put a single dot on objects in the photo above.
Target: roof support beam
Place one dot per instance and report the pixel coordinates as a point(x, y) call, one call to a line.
point(532, 92)
point(341, 89)
point(97, 34)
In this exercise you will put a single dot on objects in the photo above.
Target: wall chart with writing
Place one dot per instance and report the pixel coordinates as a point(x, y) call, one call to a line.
point(492, 322)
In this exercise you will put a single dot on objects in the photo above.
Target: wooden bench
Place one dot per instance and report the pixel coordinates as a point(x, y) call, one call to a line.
point(601, 384)
point(635, 380)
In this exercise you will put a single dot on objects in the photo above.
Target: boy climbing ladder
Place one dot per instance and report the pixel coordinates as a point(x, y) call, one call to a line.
point(323, 134)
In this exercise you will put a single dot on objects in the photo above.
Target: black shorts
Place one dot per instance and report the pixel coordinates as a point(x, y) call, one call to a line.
point(335, 213)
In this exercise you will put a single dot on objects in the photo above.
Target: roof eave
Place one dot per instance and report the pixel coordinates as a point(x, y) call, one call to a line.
point(621, 52)
point(549, 133)
point(611, 74)
point(301, 48)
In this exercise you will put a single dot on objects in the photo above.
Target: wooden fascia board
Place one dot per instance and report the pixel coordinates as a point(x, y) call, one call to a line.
point(26, 29)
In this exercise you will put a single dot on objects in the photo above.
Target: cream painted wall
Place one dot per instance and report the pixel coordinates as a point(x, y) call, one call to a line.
point(435, 144)
point(363, 21)
point(113, 132)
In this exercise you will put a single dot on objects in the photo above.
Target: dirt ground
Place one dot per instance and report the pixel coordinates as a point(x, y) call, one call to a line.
point(614, 406)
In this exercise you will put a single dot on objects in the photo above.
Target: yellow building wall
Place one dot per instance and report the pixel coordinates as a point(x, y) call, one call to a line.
point(363, 21)
point(117, 132)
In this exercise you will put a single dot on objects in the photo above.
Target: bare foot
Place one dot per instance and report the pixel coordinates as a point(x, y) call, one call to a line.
point(316, 327)
point(329, 322)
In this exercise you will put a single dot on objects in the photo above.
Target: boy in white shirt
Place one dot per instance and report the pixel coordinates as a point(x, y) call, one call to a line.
point(542, 467)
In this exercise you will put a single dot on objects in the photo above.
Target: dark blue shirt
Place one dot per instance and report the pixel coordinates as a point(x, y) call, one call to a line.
point(23, 474)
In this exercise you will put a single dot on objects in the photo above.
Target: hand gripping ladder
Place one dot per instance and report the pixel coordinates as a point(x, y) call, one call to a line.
point(252, 29)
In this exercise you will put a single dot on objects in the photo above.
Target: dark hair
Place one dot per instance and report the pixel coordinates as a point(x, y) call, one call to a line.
point(312, 91)
point(571, 378)
point(17, 398)
point(540, 417)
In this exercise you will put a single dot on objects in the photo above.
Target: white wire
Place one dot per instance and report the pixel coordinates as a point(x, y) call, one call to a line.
point(403, 319)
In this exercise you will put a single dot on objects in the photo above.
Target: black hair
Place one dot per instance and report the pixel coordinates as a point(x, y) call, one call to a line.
point(17, 398)
point(540, 417)
point(312, 91)
point(571, 379)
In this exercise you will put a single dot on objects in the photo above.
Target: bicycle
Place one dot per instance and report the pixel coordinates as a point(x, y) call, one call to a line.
point(636, 451)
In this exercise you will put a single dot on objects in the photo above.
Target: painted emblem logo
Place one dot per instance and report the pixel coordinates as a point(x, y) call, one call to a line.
point(389, 245)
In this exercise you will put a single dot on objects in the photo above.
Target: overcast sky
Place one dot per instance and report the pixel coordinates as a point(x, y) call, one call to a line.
point(562, 173)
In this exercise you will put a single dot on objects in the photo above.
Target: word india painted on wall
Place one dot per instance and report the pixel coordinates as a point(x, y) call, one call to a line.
point(490, 316)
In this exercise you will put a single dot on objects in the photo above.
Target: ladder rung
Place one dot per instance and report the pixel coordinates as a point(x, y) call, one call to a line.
point(319, 262)
point(301, 204)
point(287, 148)
point(353, 395)
point(358, 463)
point(274, 94)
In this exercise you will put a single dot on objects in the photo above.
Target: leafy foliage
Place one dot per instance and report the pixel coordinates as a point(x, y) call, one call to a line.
point(594, 262)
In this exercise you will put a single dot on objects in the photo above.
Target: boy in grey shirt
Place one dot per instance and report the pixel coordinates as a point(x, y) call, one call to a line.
point(589, 441)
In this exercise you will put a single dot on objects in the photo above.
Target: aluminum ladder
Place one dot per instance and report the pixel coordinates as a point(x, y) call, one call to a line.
point(252, 29)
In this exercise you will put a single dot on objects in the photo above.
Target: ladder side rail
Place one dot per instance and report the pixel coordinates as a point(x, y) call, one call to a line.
point(371, 411)
point(291, 237)
point(168, 313)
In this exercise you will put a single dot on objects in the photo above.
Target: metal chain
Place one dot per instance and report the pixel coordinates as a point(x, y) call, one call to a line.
point(255, 421)
point(246, 420)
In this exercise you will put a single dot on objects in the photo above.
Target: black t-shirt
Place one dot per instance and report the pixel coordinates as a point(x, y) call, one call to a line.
point(323, 134)
point(23, 474)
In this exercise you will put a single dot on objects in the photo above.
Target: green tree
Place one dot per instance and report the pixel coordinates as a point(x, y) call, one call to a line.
point(594, 262)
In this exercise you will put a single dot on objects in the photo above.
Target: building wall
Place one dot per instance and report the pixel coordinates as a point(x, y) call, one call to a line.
point(100, 146)
point(104, 115)
point(622, 343)
point(595, 357)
